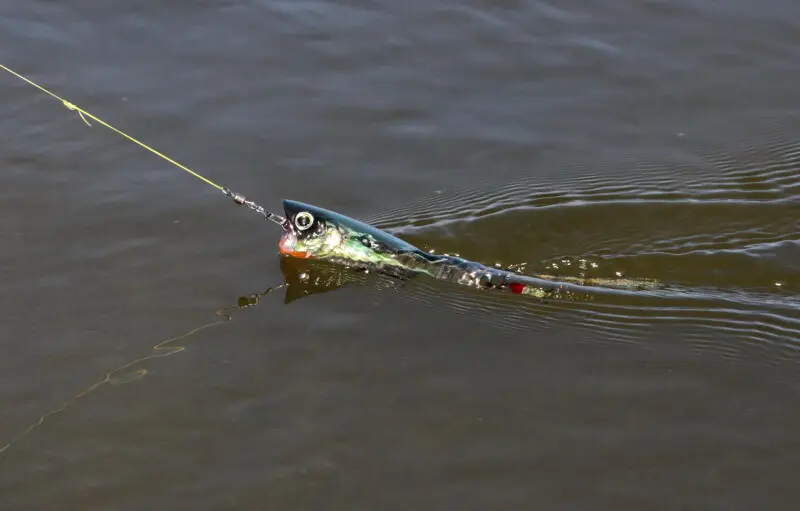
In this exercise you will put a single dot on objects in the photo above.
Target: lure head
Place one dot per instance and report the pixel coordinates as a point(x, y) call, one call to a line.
point(308, 231)
point(312, 232)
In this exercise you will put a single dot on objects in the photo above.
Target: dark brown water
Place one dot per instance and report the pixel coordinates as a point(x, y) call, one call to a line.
point(652, 139)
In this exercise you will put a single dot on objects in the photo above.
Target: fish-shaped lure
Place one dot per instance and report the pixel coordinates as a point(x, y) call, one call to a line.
point(311, 232)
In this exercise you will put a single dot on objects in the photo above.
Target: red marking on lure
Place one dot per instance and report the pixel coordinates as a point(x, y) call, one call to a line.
point(516, 288)
point(287, 244)
point(299, 255)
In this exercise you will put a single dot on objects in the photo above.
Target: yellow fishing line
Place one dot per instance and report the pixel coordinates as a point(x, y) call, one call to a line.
point(84, 114)
point(164, 348)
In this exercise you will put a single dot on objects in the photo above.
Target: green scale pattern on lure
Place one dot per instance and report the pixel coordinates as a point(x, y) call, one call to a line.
point(311, 232)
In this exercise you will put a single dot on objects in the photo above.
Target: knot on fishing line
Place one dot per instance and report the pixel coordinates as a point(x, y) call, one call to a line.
point(70, 106)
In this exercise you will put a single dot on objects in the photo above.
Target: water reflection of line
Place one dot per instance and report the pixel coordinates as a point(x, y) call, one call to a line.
point(162, 349)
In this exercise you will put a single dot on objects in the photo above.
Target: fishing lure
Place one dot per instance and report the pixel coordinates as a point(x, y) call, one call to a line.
point(311, 232)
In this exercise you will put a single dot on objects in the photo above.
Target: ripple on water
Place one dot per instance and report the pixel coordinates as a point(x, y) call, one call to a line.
point(721, 229)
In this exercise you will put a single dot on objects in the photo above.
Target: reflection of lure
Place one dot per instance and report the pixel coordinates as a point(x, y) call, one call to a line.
point(315, 233)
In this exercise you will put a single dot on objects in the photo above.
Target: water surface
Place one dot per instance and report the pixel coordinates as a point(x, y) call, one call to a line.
point(648, 139)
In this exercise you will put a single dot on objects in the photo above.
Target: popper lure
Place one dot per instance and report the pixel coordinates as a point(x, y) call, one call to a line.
point(312, 232)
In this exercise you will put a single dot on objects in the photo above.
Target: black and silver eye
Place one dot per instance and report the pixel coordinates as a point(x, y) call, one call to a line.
point(303, 220)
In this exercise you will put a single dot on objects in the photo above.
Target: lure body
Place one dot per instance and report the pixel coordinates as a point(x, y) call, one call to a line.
point(311, 232)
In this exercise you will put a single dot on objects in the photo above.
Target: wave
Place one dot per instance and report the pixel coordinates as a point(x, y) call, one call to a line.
point(721, 228)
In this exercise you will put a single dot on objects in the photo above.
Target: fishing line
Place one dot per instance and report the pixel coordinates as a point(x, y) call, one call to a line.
point(165, 348)
point(237, 197)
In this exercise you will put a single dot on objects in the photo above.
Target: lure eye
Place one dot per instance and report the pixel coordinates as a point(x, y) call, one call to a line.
point(303, 220)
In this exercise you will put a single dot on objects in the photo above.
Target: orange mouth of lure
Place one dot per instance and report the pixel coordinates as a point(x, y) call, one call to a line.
point(287, 245)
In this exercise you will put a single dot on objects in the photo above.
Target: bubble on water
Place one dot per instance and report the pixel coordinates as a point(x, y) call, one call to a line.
point(517, 267)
